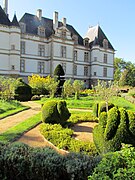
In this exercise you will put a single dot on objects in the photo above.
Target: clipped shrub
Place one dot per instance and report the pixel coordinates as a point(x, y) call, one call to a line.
point(119, 129)
point(23, 91)
point(113, 121)
point(116, 165)
point(62, 138)
point(55, 112)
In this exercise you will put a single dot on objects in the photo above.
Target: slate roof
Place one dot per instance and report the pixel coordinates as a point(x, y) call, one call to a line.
point(96, 37)
point(32, 23)
point(4, 18)
point(15, 22)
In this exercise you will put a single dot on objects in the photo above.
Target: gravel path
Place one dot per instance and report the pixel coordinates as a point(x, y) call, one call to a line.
point(13, 120)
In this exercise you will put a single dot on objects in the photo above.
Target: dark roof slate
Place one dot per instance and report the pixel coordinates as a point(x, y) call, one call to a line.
point(4, 18)
point(32, 23)
point(15, 22)
point(96, 37)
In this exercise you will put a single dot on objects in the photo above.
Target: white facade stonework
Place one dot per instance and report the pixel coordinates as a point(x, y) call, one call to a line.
point(37, 48)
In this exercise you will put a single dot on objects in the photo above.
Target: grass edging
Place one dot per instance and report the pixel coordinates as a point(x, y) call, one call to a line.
point(13, 112)
point(15, 132)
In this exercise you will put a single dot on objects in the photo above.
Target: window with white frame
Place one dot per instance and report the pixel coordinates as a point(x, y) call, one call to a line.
point(95, 58)
point(105, 58)
point(86, 56)
point(22, 47)
point(95, 73)
point(64, 66)
point(63, 34)
point(13, 67)
point(105, 43)
point(63, 51)
point(23, 27)
point(86, 42)
point(41, 31)
point(41, 50)
point(75, 69)
point(12, 47)
point(75, 55)
point(22, 65)
point(105, 72)
point(41, 67)
point(85, 70)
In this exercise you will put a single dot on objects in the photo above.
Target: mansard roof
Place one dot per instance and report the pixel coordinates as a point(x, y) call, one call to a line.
point(15, 22)
point(96, 37)
point(4, 18)
point(32, 23)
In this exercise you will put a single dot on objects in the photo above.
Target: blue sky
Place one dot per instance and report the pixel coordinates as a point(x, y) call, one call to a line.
point(116, 18)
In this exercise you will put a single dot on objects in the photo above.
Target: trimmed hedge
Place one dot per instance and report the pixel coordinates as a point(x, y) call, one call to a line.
point(55, 112)
point(62, 138)
point(19, 161)
point(114, 129)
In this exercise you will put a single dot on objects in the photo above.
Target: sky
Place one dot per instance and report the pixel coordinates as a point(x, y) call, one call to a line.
point(115, 17)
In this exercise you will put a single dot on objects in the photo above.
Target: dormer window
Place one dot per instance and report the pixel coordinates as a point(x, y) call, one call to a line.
point(105, 43)
point(63, 34)
point(23, 27)
point(75, 38)
point(86, 42)
point(41, 31)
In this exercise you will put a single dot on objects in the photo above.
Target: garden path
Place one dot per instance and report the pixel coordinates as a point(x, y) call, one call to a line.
point(15, 119)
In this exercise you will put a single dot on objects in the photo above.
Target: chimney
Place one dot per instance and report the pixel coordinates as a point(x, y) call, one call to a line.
point(39, 14)
point(64, 21)
point(55, 20)
point(5, 6)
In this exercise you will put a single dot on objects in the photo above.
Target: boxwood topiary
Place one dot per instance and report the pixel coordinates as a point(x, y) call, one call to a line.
point(119, 129)
point(55, 112)
point(23, 92)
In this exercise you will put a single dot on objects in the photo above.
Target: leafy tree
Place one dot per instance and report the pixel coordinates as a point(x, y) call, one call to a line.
point(68, 88)
point(51, 85)
point(7, 86)
point(106, 90)
point(78, 86)
point(37, 83)
point(59, 77)
point(119, 65)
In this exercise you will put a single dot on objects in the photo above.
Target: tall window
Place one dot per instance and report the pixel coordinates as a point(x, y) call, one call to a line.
point(41, 67)
point(22, 47)
point(63, 34)
point(22, 65)
point(95, 58)
point(86, 56)
point(85, 70)
point(105, 58)
point(104, 72)
point(105, 43)
point(12, 47)
point(41, 31)
point(95, 73)
point(75, 69)
point(86, 42)
point(41, 50)
point(64, 66)
point(75, 55)
point(63, 51)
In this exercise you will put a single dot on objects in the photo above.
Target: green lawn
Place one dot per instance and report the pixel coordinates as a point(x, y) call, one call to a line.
point(10, 107)
point(14, 132)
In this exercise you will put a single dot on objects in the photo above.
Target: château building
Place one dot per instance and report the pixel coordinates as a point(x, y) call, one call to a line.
point(36, 45)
